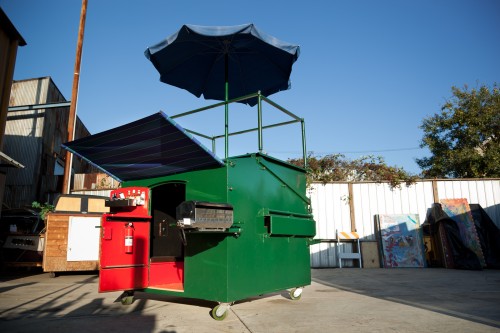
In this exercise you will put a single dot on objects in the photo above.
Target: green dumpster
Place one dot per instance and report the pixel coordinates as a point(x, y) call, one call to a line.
point(189, 224)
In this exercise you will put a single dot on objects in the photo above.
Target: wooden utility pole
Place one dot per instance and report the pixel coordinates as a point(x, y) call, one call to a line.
point(74, 96)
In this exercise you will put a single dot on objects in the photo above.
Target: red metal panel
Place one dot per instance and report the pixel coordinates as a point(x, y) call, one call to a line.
point(107, 233)
point(164, 273)
point(126, 278)
point(139, 197)
point(113, 252)
point(124, 259)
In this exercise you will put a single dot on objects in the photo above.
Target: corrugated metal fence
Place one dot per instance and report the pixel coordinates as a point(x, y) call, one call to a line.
point(352, 206)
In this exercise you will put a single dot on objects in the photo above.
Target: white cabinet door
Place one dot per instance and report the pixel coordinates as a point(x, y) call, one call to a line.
point(83, 238)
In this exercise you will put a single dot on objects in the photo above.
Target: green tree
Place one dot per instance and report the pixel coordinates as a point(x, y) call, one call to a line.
point(464, 137)
point(44, 208)
point(337, 167)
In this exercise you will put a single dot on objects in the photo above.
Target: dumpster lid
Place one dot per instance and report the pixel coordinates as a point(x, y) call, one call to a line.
point(153, 146)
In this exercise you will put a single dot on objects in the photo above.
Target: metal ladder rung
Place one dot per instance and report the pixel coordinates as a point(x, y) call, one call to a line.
point(349, 256)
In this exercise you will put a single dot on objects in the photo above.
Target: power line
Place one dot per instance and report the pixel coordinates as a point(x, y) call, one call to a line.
point(352, 152)
point(380, 151)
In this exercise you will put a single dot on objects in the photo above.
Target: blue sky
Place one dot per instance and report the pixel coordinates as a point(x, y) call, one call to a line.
point(369, 72)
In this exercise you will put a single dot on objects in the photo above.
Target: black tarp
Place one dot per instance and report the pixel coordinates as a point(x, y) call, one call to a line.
point(455, 254)
point(489, 236)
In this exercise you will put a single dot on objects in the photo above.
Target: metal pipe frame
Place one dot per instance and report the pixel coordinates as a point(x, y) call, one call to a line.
point(38, 106)
point(259, 127)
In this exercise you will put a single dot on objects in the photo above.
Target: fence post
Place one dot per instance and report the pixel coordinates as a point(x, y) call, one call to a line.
point(351, 207)
point(435, 193)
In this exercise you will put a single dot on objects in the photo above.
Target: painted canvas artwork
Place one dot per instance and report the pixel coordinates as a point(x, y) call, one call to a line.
point(401, 241)
point(459, 211)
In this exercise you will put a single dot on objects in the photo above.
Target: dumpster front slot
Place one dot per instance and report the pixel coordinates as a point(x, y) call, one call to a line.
point(290, 226)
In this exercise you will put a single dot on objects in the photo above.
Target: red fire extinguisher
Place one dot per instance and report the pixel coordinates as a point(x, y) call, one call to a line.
point(129, 237)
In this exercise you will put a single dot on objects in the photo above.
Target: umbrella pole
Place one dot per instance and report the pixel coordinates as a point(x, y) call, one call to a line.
point(259, 120)
point(226, 108)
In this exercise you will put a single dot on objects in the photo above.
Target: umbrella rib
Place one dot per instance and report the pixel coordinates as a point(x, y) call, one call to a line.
point(240, 70)
point(206, 80)
point(223, 49)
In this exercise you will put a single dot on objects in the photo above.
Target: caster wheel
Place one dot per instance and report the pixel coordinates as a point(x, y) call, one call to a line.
point(296, 293)
point(52, 274)
point(127, 298)
point(220, 312)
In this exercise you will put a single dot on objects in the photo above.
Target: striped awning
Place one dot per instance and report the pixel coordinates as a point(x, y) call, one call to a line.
point(153, 146)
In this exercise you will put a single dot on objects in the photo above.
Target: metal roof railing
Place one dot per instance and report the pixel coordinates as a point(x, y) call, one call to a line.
point(259, 128)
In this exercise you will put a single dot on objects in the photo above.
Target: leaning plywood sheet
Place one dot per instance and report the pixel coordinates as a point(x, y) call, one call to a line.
point(370, 255)
point(401, 241)
point(81, 203)
point(459, 211)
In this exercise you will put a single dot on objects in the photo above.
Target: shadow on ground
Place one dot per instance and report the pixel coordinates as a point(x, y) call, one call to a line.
point(470, 295)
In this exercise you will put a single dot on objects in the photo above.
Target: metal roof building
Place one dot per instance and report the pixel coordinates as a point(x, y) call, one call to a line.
point(33, 136)
point(10, 40)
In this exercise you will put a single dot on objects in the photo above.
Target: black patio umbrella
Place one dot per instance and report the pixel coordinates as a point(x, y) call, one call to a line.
point(224, 62)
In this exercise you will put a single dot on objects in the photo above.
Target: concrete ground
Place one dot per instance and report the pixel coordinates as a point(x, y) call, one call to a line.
point(339, 300)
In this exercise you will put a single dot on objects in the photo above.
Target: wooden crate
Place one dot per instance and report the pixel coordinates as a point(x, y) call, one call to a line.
point(60, 241)
point(55, 255)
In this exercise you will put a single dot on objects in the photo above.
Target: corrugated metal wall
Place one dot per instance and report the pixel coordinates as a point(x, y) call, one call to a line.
point(343, 205)
point(23, 141)
point(483, 192)
point(33, 137)
point(330, 206)
point(371, 199)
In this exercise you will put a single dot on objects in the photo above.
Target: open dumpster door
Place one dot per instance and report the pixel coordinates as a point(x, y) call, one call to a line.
point(124, 255)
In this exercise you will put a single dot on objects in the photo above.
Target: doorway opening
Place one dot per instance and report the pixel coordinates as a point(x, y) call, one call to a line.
point(166, 269)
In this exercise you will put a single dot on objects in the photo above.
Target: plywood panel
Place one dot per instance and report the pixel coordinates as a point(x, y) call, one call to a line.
point(59, 264)
point(67, 204)
point(370, 255)
point(97, 206)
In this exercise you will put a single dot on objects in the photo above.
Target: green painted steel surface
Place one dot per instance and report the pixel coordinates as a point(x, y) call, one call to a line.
point(291, 226)
point(266, 263)
point(204, 185)
point(226, 267)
